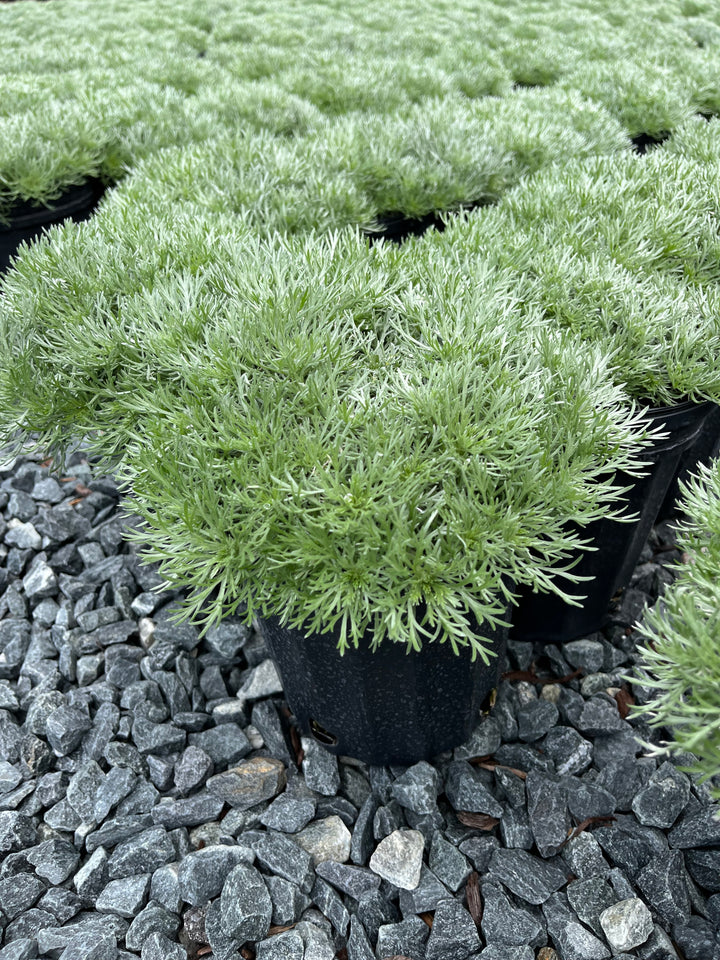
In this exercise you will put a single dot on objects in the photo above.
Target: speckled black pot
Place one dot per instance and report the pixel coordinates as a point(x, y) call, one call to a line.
point(703, 449)
point(27, 220)
point(387, 706)
point(545, 618)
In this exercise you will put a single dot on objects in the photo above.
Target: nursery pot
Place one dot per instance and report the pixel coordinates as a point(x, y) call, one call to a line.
point(544, 617)
point(704, 448)
point(28, 220)
point(386, 706)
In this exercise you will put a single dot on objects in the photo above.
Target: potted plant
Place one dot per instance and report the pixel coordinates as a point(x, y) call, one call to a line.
point(309, 438)
point(679, 677)
point(622, 251)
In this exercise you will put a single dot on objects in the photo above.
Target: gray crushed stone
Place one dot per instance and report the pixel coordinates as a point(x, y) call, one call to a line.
point(153, 803)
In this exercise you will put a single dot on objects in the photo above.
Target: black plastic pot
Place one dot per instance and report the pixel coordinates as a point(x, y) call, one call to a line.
point(703, 449)
point(387, 706)
point(545, 618)
point(27, 220)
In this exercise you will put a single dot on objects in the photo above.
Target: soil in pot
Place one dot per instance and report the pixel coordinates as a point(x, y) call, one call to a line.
point(387, 706)
point(546, 618)
point(27, 220)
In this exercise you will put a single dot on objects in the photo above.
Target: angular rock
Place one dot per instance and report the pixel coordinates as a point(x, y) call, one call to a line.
point(159, 947)
point(425, 897)
point(54, 860)
point(287, 814)
point(664, 885)
point(586, 799)
point(61, 903)
point(417, 789)
point(465, 791)
point(153, 919)
point(249, 783)
point(189, 812)
point(91, 946)
point(599, 717)
point(327, 839)
point(535, 719)
point(398, 858)
point(57, 938)
point(202, 873)
point(570, 752)
point(697, 938)
point(16, 831)
point(245, 905)
point(483, 742)
point(192, 769)
point(530, 878)
point(626, 924)
point(703, 865)
point(661, 802)
point(404, 939)
point(447, 863)
point(23, 949)
point(355, 881)
point(330, 905)
point(320, 768)
point(503, 923)
point(124, 897)
point(495, 952)
point(587, 655)
point(92, 876)
point(225, 745)
point(264, 681)
point(118, 783)
point(515, 829)
point(288, 901)
point(19, 893)
point(65, 729)
point(698, 827)
point(283, 946)
point(547, 811)
point(571, 939)
point(280, 855)
point(160, 739)
point(358, 945)
point(454, 935)
point(142, 853)
point(589, 898)
point(624, 777)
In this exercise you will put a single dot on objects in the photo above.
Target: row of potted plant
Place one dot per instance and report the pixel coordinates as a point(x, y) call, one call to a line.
point(378, 451)
point(150, 71)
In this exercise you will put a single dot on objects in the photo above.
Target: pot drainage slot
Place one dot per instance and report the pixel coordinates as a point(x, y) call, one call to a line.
point(322, 735)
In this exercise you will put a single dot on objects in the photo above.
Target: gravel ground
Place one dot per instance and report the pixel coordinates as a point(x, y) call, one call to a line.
point(155, 800)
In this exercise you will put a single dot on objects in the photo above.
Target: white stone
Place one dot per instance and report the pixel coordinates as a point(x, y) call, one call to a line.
point(40, 581)
point(398, 858)
point(627, 924)
point(327, 839)
point(22, 535)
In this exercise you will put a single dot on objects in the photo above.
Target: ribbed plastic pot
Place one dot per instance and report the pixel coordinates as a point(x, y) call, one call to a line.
point(386, 706)
point(544, 617)
point(703, 449)
point(27, 221)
